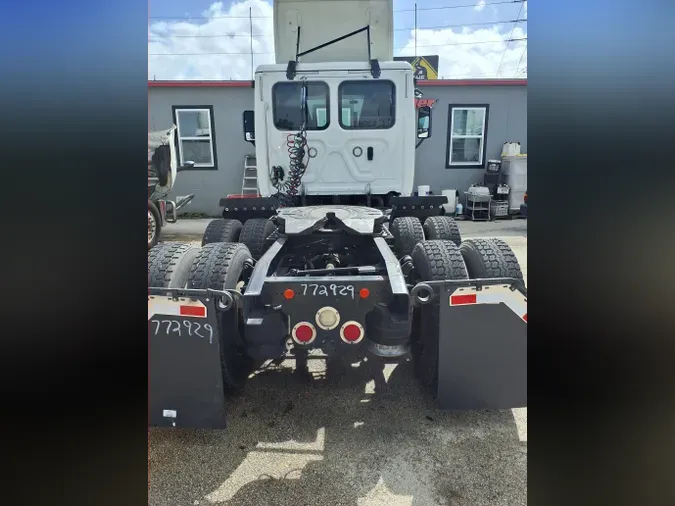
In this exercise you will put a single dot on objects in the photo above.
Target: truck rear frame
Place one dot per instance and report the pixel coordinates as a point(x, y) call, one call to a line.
point(359, 295)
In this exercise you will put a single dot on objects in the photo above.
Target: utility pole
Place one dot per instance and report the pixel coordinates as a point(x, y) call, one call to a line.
point(415, 29)
point(250, 22)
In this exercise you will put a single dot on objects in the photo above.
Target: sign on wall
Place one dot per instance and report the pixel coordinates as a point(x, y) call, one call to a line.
point(425, 67)
point(424, 102)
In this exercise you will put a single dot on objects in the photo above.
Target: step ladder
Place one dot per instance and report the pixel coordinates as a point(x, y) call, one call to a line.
point(249, 185)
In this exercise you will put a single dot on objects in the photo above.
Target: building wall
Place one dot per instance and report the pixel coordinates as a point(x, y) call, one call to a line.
point(209, 186)
point(507, 121)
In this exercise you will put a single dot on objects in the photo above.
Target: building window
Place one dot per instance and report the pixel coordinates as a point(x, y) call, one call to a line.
point(367, 105)
point(467, 131)
point(195, 135)
point(286, 106)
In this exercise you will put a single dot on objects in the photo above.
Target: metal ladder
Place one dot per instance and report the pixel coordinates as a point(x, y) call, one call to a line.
point(249, 184)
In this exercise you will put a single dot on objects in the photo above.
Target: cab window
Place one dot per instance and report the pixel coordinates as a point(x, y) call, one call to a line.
point(367, 105)
point(286, 106)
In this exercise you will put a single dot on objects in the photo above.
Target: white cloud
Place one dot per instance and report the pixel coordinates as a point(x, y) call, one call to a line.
point(225, 34)
point(480, 5)
point(464, 53)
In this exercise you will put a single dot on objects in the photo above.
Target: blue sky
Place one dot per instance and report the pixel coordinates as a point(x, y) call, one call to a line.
point(173, 24)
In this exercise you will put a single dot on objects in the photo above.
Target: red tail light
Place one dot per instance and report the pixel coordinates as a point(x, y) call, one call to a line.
point(352, 332)
point(303, 333)
point(525, 198)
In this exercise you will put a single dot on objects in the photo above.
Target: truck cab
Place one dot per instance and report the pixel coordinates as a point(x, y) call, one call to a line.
point(335, 83)
point(360, 131)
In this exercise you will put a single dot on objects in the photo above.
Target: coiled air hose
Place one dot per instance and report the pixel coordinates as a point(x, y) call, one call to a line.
point(287, 187)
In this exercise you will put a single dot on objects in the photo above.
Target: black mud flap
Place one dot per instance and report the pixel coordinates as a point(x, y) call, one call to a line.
point(184, 370)
point(482, 347)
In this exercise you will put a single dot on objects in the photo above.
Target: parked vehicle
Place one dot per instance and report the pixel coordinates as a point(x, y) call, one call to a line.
point(297, 270)
point(162, 171)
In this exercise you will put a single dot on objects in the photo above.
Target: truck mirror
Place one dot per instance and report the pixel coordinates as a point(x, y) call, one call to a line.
point(249, 126)
point(424, 122)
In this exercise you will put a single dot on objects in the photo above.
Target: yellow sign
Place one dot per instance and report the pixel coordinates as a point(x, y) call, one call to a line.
point(425, 67)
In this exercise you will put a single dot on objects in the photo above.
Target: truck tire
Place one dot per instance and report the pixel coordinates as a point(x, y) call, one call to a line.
point(436, 260)
point(169, 264)
point(222, 230)
point(154, 224)
point(407, 232)
point(220, 266)
point(433, 260)
point(442, 227)
point(254, 235)
point(490, 258)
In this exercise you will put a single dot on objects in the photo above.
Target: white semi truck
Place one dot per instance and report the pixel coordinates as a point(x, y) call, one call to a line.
point(336, 90)
point(301, 267)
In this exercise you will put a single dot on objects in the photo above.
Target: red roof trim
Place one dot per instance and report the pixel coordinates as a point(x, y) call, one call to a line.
point(200, 84)
point(249, 84)
point(473, 82)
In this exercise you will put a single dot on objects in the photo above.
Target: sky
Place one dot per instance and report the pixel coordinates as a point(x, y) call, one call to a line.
point(200, 39)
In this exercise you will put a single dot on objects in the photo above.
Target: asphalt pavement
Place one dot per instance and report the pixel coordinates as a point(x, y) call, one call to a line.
point(343, 438)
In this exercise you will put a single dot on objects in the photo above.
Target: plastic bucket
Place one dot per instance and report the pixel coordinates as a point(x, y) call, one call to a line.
point(423, 190)
point(452, 200)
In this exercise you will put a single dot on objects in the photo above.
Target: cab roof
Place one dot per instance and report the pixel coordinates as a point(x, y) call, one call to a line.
point(333, 66)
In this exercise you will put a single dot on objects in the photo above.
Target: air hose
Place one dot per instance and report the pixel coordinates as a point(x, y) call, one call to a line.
point(287, 187)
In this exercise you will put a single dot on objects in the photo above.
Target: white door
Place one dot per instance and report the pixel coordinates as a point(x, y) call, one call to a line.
point(360, 131)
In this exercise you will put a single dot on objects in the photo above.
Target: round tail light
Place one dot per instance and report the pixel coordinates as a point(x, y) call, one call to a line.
point(303, 333)
point(352, 332)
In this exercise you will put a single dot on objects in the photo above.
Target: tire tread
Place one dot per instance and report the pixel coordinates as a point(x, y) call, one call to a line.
point(254, 235)
point(212, 265)
point(490, 258)
point(407, 232)
point(166, 262)
point(222, 230)
point(442, 227)
point(438, 259)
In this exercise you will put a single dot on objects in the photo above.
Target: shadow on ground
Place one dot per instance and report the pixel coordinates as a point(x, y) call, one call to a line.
point(338, 440)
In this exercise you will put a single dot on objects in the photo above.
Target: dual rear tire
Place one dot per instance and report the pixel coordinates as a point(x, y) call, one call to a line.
point(408, 231)
point(254, 233)
point(437, 260)
point(218, 266)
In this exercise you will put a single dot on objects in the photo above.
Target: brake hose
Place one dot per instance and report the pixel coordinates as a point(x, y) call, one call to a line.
point(297, 151)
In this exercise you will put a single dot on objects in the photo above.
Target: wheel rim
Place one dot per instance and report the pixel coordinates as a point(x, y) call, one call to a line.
point(152, 227)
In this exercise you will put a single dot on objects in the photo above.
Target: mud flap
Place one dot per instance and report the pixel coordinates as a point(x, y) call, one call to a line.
point(184, 368)
point(482, 349)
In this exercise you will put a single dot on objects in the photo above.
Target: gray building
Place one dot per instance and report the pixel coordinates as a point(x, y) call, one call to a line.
point(480, 114)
